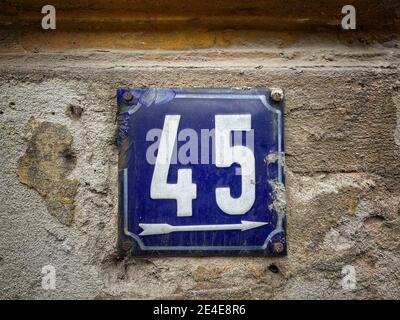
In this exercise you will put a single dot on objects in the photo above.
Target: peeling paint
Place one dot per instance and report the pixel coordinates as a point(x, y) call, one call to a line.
point(144, 97)
point(275, 157)
point(278, 196)
point(47, 162)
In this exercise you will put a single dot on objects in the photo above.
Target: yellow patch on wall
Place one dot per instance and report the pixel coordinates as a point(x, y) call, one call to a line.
point(47, 162)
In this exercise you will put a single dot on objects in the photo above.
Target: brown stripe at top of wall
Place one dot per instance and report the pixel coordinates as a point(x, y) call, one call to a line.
point(175, 24)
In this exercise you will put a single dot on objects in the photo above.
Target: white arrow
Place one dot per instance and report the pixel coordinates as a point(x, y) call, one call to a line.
point(165, 228)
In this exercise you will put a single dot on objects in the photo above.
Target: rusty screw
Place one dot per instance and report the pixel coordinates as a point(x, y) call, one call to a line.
point(278, 247)
point(277, 94)
point(127, 96)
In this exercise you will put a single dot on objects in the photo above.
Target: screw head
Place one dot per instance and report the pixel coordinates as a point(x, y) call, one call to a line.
point(278, 247)
point(277, 94)
point(127, 96)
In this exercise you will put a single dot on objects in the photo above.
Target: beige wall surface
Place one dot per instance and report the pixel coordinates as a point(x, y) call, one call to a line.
point(58, 160)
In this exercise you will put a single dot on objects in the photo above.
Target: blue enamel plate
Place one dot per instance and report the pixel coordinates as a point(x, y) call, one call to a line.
point(201, 172)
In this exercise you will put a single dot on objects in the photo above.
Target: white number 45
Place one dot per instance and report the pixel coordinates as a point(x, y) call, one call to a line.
point(184, 190)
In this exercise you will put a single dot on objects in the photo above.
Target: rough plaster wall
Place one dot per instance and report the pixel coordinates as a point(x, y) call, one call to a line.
point(343, 178)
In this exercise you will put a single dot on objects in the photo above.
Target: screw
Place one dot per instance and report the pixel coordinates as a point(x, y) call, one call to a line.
point(277, 94)
point(127, 96)
point(278, 247)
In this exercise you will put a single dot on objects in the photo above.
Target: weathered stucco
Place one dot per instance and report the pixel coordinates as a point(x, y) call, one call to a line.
point(343, 189)
point(342, 133)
